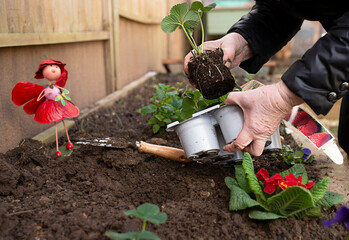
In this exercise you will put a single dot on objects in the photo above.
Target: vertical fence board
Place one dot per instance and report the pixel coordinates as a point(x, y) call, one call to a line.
point(109, 57)
point(3, 17)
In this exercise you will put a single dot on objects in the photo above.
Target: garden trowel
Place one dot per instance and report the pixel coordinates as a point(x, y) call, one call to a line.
point(171, 153)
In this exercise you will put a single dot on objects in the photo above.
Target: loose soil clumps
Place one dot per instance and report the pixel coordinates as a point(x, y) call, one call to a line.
point(83, 195)
point(208, 73)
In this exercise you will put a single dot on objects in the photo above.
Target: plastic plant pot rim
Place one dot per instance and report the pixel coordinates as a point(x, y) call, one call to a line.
point(171, 127)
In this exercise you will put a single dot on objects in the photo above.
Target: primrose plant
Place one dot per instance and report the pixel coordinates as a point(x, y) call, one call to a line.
point(285, 194)
point(145, 212)
point(185, 18)
point(171, 103)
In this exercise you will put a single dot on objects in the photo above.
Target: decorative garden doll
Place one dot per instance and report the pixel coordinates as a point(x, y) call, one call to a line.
point(50, 103)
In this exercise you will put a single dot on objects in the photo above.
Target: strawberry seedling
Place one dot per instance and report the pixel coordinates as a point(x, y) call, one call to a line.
point(170, 104)
point(185, 18)
point(145, 212)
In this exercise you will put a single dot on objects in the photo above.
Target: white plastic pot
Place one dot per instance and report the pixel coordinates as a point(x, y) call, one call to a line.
point(198, 136)
point(205, 134)
point(274, 142)
point(230, 120)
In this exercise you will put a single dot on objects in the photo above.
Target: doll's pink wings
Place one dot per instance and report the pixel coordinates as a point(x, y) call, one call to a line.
point(26, 92)
point(62, 79)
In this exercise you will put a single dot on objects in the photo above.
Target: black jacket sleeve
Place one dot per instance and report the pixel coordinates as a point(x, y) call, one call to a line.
point(321, 77)
point(266, 28)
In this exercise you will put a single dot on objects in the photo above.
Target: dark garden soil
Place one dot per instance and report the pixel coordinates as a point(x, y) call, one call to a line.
point(84, 195)
point(208, 73)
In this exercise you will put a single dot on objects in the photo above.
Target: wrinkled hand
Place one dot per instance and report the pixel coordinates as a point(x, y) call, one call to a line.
point(234, 46)
point(264, 108)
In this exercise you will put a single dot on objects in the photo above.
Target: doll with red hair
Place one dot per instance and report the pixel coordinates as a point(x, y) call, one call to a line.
point(49, 103)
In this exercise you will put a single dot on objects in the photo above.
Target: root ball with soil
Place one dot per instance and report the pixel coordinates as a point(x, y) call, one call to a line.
point(209, 74)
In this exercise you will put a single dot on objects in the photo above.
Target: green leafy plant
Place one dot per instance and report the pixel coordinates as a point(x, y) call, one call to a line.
point(292, 156)
point(185, 18)
point(146, 212)
point(285, 194)
point(171, 103)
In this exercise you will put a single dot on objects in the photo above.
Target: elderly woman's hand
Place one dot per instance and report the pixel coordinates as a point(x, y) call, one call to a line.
point(264, 108)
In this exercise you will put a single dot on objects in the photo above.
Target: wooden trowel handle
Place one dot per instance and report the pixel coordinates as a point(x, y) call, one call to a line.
point(171, 153)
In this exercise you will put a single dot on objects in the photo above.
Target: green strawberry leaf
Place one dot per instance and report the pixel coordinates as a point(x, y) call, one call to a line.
point(208, 7)
point(179, 11)
point(122, 236)
point(156, 128)
point(196, 6)
point(148, 212)
point(145, 235)
point(191, 20)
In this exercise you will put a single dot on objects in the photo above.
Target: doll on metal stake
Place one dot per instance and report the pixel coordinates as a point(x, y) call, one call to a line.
point(51, 103)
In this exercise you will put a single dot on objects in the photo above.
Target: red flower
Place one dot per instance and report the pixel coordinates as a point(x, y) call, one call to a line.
point(270, 184)
point(291, 180)
point(262, 174)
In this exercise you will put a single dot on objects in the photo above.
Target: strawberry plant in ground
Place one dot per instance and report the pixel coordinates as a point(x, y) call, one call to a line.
point(86, 194)
point(170, 104)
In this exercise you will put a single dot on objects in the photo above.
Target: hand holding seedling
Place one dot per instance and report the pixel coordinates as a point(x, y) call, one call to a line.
point(234, 46)
point(205, 69)
point(264, 108)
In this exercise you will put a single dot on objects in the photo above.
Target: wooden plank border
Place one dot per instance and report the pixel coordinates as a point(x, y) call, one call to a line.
point(27, 39)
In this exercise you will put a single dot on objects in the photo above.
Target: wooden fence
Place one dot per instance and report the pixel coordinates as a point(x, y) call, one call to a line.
point(106, 44)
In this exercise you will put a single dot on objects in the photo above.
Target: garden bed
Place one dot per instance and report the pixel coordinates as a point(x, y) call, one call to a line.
point(84, 195)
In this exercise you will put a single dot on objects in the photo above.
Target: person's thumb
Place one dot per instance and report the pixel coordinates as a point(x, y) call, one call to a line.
point(233, 98)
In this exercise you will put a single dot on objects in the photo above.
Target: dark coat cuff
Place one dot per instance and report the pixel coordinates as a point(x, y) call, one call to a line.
point(266, 28)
